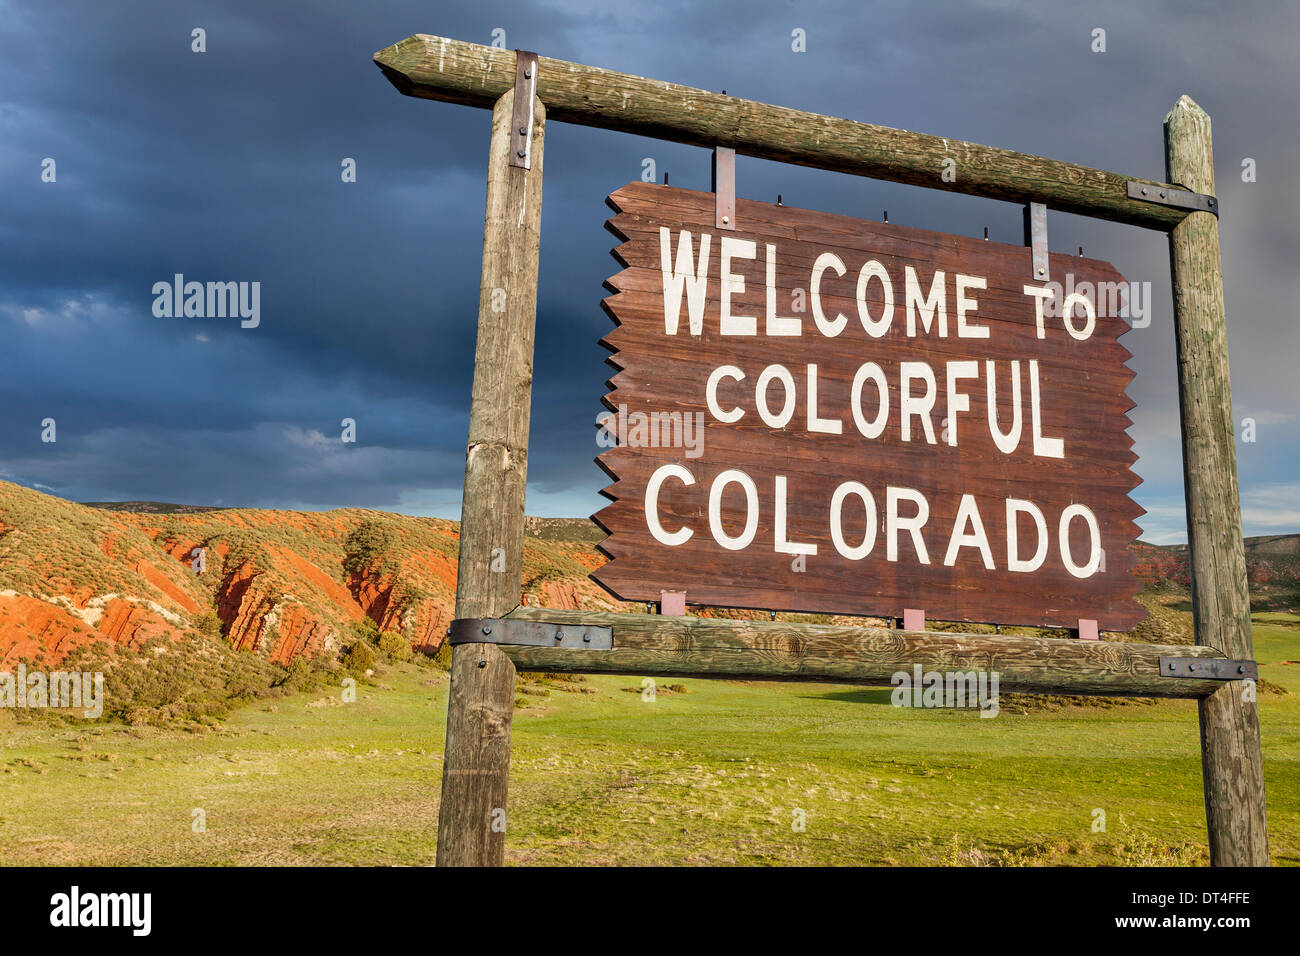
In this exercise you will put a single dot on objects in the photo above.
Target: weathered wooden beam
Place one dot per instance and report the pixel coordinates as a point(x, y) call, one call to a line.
point(453, 71)
point(1230, 746)
point(480, 704)
point(646, 644)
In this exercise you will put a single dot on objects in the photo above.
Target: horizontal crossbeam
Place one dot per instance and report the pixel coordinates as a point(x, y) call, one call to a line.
point(471, 74)
point(651, 644)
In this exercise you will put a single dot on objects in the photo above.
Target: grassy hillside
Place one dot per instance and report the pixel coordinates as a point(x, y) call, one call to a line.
point(712, 775)
point(225, 696)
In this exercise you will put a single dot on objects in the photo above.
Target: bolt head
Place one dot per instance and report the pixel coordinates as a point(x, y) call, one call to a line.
point(559, 635)
point(521, 153)
point(1041, 270)
point(1144, 190)
point(586, 637)
point(487, 629)
point(1191, 667)
point(1241, 669)
point(726, 219)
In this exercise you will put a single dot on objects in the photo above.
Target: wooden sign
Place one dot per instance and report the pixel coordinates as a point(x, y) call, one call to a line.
point(817, 413)
point(882, 408)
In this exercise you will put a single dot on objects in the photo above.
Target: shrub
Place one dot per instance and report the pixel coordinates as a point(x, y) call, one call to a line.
point(302, 675)
point(195, 679)
point(208, 624)
point(371, 540)
point(394, 647)
point(359, 659)
point(442, 657)
point(365, 630)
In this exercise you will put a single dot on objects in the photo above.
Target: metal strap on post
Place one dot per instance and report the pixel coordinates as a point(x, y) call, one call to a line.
point(724, 187)
point(1203, 668)
point(672, 603)
point(496, 630)
point(1175, 198)
point(521, 120)
point(1036, 239)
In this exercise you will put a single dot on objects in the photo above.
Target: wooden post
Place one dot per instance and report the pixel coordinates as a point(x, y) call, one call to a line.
point(480, 703)
point(1230, 751)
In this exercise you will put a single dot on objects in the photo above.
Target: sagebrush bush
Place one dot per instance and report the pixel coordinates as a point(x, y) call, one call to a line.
point(359, 659)
point(394, 647)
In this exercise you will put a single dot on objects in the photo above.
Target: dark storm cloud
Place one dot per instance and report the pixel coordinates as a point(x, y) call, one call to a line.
point(225, 166)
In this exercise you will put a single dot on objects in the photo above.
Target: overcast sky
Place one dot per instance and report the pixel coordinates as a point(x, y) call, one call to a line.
point(225, 165)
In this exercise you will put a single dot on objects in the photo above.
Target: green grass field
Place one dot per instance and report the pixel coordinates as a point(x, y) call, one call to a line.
point(717, 775)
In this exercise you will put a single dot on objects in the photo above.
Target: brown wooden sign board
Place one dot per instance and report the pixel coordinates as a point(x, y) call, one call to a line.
point(818, 413)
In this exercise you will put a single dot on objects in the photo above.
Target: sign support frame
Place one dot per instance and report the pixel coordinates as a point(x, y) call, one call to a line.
point(471, 829)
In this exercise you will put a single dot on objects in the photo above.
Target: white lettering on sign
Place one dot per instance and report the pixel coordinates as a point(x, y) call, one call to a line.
point(776, 399)
point(733, 283)
point(686, 275)
point(906, 525)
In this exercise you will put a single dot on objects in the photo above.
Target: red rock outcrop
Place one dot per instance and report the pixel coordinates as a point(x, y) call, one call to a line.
point(281, 583)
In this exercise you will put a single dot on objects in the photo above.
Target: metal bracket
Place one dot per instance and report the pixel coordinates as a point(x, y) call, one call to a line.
point(1177, 198)
point(1036, 239)
point(672, 603)
point(497, 630)
point(521, 118)
point(1208, 668)
point(724, 187)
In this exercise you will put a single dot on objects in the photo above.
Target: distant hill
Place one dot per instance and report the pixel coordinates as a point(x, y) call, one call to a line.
point(151, 507)
point(285, 583)
point(281, 583)
point(1272, 568)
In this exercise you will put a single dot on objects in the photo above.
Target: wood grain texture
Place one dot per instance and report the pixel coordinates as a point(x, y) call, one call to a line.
point(1083, 401)
point(1230, 746)
point(453, 71)
point(480, 702)
point(651, 644)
